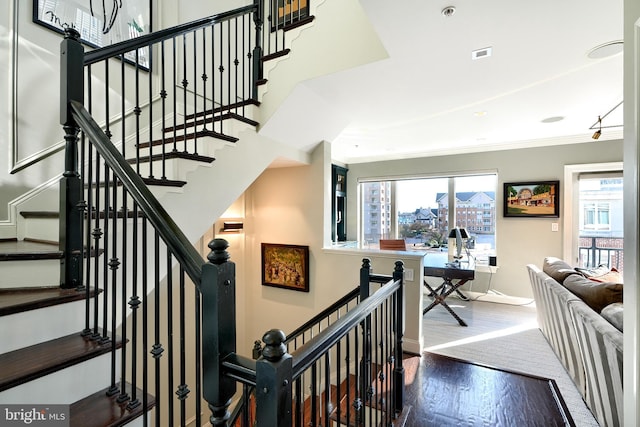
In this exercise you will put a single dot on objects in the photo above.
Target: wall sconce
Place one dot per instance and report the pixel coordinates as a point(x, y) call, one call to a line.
point(232, 226)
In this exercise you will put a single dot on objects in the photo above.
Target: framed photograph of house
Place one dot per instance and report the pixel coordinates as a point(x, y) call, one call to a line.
point(530, 199)
point(99, 23)
point(285, 266)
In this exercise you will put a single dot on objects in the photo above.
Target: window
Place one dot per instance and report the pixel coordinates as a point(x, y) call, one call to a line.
point(418, 210)
point(596, 216)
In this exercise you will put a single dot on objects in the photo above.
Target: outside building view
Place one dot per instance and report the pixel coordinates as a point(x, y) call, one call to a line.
point(600, 222)
point(421, 208)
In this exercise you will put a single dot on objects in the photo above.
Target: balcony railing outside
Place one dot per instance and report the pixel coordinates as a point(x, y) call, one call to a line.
point(595, 251)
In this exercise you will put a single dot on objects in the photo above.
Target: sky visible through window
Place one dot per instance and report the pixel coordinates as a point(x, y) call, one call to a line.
point(417, 193)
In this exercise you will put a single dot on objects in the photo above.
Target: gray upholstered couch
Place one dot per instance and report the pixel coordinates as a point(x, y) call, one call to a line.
point(586, 342)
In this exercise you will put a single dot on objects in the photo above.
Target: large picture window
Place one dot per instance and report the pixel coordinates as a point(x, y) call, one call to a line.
point(420, 211)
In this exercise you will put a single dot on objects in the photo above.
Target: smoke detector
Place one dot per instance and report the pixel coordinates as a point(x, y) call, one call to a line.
point(448, 11)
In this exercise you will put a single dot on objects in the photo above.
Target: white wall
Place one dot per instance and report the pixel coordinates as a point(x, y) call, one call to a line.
point(519, 241)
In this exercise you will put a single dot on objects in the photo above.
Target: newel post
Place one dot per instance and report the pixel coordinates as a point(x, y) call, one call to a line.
point(273, 382)
point(398, 372)
point(218, 329)
point(72, 206)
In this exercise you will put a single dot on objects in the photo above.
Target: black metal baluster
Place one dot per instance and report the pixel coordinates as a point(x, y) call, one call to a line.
point(134, 303)
point(163, 96)
point(338, 382)
point(314, 394)
point(195, 95)
point(97, 235)
point(157, 349)
point(170, 337)
point(213, 78)
point(327, 389)
point(198, 355)
point(145, 321)
point(150, 86)
point(236, 62)
point(185, 83)
point(348, 366)
point(124, 396)
point(183, 390)
point(299, 406)
point(105, 258)
point(221, 70)
point(204, 80)
point(175, 97)
point(114, 265)
point(88, 237)
point(137, 111)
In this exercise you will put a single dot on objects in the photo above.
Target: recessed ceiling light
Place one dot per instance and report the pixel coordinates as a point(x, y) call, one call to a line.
point(552, 119)
point(480, 113)
point(448, 11)
point(606, 49)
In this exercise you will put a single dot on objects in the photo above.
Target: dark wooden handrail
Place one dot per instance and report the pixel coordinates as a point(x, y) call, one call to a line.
point(323, 314)
point(313, 350)
point(176, 241)
point(123, 47)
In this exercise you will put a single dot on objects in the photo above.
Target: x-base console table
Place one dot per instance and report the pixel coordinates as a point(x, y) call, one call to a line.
point(454, 274)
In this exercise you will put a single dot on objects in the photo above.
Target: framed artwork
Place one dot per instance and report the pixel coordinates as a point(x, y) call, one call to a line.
point(100, 23)
point(529, 199)
point(285, 266)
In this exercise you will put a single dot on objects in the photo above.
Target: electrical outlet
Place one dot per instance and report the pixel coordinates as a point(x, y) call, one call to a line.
point(554, 226)
point(408, 274)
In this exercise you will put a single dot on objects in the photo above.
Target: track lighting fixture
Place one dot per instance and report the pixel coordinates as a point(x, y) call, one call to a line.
point(597, 133)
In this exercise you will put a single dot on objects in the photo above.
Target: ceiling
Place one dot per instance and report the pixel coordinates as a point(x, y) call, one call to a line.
point(429, 97)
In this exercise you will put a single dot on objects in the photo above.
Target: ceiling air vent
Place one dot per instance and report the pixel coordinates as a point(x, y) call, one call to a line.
point(485, 52)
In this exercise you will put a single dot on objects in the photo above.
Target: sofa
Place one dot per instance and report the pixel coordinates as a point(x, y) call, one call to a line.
point(580, 314)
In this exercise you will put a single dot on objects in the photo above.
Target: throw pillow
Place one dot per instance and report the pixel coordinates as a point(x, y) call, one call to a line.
point(596, 295)
point(602, 274)
point(558, 269)
point(613, 313)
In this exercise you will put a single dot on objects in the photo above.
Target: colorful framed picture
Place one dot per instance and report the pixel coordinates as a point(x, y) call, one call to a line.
point(285, 266)
point(531, 199)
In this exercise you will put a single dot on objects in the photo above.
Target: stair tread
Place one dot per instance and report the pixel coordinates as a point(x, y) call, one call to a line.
point(21, 250)
point(29, 363)
point(17, 300)
point(209, 119)
point(172, 155)
point(100, 409)
point(40, 214)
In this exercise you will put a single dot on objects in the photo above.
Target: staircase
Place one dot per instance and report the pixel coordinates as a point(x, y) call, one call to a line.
point(56, 349)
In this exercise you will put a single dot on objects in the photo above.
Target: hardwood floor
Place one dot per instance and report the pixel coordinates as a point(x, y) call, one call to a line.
point(444, 391)
point(504, 336)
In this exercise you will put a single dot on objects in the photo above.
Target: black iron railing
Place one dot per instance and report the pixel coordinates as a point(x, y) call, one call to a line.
point(168, 314)
point(595, 251)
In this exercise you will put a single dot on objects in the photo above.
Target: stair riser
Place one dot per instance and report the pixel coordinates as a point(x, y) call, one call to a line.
point(32, 273)
point(40, 325)
point(176, 169)
point(65, 386)
point(41, 229)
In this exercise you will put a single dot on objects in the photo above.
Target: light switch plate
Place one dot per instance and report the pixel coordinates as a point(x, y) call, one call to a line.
point(408, 274)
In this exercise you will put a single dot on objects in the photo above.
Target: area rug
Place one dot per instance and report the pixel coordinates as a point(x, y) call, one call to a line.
point(446, 391)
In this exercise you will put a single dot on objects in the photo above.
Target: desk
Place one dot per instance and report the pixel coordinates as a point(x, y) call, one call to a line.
point(436, 265)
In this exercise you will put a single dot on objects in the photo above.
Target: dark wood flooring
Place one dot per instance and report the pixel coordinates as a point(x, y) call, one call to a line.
point(444, 391)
